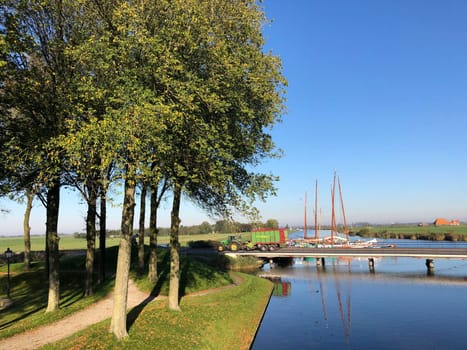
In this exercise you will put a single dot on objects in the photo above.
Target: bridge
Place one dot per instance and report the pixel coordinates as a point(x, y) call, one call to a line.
point(429, 254)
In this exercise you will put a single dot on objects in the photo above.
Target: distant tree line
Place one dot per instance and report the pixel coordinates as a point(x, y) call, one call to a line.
point(221, 226)
point(428, 236)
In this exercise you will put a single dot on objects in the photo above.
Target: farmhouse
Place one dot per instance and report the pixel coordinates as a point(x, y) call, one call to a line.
point(444, 222)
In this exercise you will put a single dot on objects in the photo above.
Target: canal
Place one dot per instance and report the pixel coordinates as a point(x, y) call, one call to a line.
point(344, 306)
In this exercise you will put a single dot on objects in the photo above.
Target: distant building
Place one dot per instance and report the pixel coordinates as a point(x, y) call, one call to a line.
point(444, 222)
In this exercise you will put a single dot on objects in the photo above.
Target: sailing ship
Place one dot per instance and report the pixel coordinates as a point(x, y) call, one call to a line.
point(334, 240)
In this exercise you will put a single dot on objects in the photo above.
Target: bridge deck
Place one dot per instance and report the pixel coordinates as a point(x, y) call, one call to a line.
point(426, 253)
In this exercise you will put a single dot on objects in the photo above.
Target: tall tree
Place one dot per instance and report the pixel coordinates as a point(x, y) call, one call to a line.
point(158, 190)
point(142, 215)
point(36, 87)
point(27, 229)
point(228, 94)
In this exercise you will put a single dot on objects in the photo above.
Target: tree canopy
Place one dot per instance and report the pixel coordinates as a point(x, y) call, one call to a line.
point(174, 90)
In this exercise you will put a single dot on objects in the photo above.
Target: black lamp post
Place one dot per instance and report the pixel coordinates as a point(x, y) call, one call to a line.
point(8, 255)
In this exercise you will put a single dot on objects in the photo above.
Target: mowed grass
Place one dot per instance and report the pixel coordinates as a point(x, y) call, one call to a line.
point(67, 242)
point(429, 232)
point(223, 319)
point(29, 289)
point(29, 292)
point(461, 229)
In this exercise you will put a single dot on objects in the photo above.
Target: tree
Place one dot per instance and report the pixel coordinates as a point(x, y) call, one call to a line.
point(272, 223)
point(142, 215)
point(36, 90)
point(232, 93)
point(205, 227)
point(88, 168)
point(158, 189)
point(27, 229)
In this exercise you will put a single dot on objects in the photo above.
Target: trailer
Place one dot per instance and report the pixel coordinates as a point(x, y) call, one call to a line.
point(265, 239)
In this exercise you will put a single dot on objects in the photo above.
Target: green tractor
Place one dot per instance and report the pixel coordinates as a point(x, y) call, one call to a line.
point(232, 243)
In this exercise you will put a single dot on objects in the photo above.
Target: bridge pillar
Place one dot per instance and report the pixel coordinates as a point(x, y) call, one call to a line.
point(371, 264)
point(271, 263)
point(320, 262)
point(430, 267)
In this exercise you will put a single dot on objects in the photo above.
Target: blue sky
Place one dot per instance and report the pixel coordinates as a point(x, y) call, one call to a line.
point(377, 91)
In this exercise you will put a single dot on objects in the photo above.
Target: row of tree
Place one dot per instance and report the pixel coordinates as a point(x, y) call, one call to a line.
point(221, 226)
point(174, 96)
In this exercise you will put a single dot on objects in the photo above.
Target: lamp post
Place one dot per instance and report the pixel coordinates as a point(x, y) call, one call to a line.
point(8, 255)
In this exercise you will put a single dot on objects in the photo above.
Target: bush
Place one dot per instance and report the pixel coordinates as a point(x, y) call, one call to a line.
point(203, 244)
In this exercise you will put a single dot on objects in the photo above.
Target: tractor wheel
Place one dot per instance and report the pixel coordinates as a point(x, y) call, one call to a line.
point(220, 248)
point(272, 248)
point(263, 248)
point(234, 246)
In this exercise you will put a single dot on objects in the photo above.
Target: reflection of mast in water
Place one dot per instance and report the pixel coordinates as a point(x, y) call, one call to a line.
point(323, 301)
point(345, 325)
point(349, 305)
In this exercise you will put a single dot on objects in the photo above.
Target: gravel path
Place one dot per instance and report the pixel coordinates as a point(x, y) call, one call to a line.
point(65, 327)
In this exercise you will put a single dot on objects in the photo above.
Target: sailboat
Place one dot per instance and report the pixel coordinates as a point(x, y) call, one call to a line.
point(334, 240)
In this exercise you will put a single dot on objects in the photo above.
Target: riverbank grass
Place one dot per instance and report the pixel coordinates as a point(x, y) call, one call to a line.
point(226, 318)
point(29, 289)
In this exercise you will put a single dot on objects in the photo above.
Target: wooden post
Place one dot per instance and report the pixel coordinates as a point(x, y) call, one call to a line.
point(371, 264)
point(430, 267)
point(318, 261)
point(323, 262)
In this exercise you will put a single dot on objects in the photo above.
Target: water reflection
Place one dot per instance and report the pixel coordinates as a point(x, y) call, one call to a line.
point(341, 305)
point(281, 289)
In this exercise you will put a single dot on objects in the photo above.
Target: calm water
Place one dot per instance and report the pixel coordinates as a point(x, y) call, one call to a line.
point(344, 306)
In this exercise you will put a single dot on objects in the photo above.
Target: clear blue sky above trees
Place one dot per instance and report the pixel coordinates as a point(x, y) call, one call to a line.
point(377, 91)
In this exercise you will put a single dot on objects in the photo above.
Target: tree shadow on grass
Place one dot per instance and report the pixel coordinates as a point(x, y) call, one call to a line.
point(30, 295)
point(136, 311)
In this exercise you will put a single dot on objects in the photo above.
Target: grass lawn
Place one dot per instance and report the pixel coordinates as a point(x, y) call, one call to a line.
point(69, 242)
point(210, 316)
point(223, 319)
point(430, 232)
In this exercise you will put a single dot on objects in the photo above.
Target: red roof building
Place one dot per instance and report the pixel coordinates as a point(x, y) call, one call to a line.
point(444, 222)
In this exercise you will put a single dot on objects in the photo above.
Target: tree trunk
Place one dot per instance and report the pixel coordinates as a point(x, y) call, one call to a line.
point(27, 230)
point(118, 322)
point(102, 236)
point(53, 202)
point(142, 215)
point(174, 284)
point(90, 239)
point(153, 231)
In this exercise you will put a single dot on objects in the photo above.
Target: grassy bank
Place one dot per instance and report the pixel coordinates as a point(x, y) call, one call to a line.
point(429, 232)
point(29, 289)
point(223, 319)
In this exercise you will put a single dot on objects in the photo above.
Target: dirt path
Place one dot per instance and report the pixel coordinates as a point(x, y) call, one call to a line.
point(65, 327)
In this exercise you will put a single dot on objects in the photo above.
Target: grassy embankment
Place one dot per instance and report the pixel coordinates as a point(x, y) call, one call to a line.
point(224, 319)
point(429, 232)
point(203, 323)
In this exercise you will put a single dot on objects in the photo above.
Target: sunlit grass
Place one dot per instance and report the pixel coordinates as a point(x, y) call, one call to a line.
point(29, 290)
point(69, 242)
point(224, 319)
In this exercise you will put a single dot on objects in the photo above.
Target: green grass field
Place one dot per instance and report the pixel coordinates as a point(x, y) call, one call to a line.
point(430, 232)
point(201, 315)
point(225, 319)
point(69, 242)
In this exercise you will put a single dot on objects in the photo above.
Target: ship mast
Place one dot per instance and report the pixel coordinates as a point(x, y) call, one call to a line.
point(316, 211)
point(346, 231)
point(304, 227)
point(333, 215)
